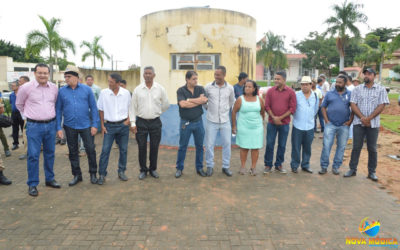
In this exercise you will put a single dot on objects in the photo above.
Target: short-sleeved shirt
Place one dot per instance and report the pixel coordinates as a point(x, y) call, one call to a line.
point(279, 102)
point(238, 90)
point(306, 109)
point(190, 114)
point(114, 106)
point(367, 100)
point(338, 107)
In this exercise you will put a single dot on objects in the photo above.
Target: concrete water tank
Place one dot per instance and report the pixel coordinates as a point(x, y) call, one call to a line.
point(174, 41)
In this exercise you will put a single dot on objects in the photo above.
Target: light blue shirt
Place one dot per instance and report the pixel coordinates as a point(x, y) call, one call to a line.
point(303, 118)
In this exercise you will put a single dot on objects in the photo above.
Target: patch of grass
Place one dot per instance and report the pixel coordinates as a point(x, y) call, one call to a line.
point(391, 122)
point(393, 96)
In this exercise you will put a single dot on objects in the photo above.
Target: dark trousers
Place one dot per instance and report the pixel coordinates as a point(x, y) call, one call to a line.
point(73, 147)
point(359, 133)
point(17, 123)
point(120, 134)
point(147, 128)
point(301, 142)
point(321, 120)
point(272, 131)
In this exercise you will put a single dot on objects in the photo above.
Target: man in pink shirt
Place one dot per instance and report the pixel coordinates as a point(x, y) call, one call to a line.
point(280, 103)
point(36, 101)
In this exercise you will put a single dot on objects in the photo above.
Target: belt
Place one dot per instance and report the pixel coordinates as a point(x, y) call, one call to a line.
point(41, 121)
point(148, 119)
point(117, 122)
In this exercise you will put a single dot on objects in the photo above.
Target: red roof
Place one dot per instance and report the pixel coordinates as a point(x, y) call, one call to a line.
point(296, 56)
point(358, 69)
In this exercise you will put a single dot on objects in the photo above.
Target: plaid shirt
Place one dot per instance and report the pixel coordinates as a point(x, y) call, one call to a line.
point(367, 100)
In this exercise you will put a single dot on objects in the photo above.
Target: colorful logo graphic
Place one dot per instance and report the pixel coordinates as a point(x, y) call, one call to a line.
point(369, 228)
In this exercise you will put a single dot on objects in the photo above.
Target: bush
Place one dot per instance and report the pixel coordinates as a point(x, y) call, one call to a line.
point(396, 68)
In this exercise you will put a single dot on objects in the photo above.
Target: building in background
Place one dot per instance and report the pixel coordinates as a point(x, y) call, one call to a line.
point(200, 39)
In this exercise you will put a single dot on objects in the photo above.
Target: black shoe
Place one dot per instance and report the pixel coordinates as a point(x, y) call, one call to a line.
point(350, 173)
point(294, 170)
point(308, 170)
point(372, 176)
point(142, 175)
point(93, 178)
point(209, 171)
point(4, 180)
point(101, 180)
point(63, 142)
point(227, 172)
point(7, 153)
point(77, 178)
point(154, 174)
point(178, 173)
point(33, 191)
point(323, 171)
point(122, 176)
point(14, 147)
point(53, 184)
point(335, 171)
point(201, 173)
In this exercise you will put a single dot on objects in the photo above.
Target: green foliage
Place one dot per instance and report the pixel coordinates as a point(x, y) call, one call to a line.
point(18, 53)
point(385, 34)
point(272, 53)
point(95, 50)
point(335, 71)
point(396, 68)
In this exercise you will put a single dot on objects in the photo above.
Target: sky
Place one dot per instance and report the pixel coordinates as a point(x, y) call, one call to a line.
point(118, 21)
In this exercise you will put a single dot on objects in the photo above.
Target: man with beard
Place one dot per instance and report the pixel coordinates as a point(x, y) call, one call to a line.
point(336, 111)
point(367, 101)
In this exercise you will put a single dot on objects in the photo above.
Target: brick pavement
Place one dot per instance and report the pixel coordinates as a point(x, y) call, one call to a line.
point(276, 211)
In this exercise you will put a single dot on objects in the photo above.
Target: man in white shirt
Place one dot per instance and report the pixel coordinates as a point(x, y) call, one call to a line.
point(149, 101)
point(113, 105)
point(325, 87)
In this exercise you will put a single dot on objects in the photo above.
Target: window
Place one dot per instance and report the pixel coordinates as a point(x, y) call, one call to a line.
point(194, 61)
point(21, 69)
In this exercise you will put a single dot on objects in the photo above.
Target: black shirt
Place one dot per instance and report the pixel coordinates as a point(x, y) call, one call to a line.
point(190, 114)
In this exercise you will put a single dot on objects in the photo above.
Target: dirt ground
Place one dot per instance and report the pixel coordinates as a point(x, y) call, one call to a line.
point(388, 169)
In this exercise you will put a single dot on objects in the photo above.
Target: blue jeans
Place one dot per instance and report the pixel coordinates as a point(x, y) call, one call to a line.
point(301, 141)
point(38, 134)
point(272, 130)
point(185, 131)
point(342, 134)
point(225, 132)
point(321, 120)
point(119, 133)
point(351, 131)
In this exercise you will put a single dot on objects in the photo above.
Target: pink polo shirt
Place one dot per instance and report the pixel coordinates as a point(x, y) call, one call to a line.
point(37, 102)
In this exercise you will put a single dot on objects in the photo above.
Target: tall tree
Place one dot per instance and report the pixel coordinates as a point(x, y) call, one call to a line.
point(38, 41)
point(95, 50)
point(343, 21)
point(271, 53)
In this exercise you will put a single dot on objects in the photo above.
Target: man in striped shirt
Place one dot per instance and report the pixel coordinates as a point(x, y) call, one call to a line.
point(367, 101)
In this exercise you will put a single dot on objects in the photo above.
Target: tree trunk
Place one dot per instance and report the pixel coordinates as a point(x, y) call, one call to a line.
point(269, 76)
point(51, 65)
point(380, 70)
point(341, 63)
point(94, 62)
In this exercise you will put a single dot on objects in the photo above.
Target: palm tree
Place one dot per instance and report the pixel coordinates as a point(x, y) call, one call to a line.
point(38, 41)
point(271, 53)
point(343, 21)
point(95, 50)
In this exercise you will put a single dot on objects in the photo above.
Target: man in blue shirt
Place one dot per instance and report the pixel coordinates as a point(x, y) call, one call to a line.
point(77, 104)
point(337, 116)
point(303, 125)
point(238, 87)
point(17, 121)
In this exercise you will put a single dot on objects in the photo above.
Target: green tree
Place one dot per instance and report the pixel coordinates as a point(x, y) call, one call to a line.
point(321, 52)
point(17, 53)
point(385, 34)
point(38, 41)
point(95, 50)
point(343, 21)
point(271, 53)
